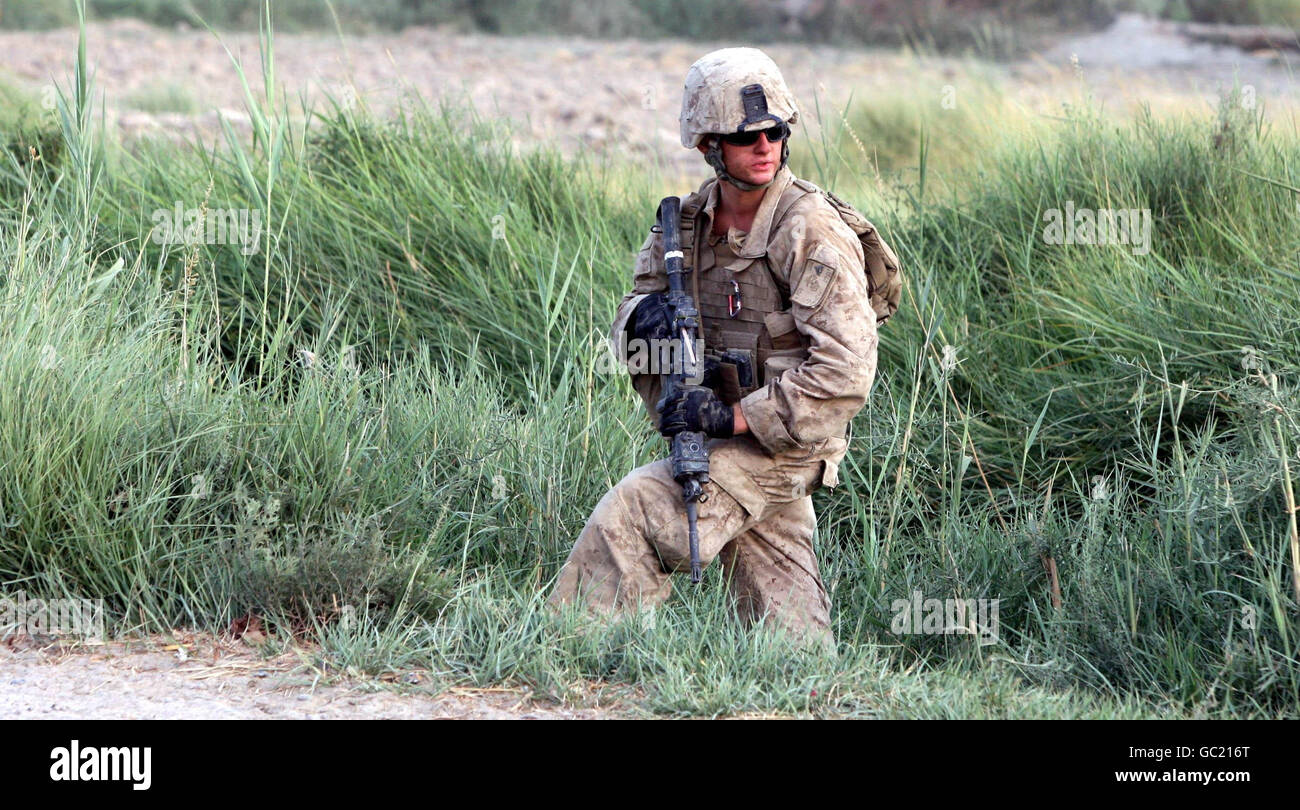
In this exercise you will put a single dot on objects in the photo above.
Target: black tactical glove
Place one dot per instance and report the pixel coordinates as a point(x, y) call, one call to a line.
point(695, 409)
point(712, 376)
point(652, 319)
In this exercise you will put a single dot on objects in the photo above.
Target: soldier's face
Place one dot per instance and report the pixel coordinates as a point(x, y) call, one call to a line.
point(756, 163)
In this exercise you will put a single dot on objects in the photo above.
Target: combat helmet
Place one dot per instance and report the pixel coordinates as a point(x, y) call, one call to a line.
point(734, 90)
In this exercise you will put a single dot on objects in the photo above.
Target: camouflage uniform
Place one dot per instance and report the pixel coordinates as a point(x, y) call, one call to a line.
point(807, 323)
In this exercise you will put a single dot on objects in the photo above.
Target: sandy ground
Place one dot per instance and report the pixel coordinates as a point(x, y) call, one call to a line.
point(195, 676)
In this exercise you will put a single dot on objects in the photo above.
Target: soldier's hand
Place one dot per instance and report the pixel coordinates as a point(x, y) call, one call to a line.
point(695, 409)
point(652, 319)
point(709, 374)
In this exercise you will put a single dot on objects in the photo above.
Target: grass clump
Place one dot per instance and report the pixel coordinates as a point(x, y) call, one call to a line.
point(163, 98)
point(29, 136)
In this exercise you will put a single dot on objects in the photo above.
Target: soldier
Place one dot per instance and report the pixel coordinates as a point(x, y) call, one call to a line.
point(790, 335)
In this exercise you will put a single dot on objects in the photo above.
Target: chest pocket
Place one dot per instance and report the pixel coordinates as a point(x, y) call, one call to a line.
point(761, 340)
point(734, 296)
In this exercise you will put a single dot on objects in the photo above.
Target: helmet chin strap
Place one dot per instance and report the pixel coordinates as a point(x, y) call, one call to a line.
point(714, 158)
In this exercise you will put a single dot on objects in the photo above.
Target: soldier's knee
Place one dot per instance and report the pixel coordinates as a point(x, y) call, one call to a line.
point(648, 478)
point(642, 497)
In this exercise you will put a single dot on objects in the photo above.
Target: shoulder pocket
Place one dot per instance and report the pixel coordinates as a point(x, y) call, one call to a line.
point(819, 269)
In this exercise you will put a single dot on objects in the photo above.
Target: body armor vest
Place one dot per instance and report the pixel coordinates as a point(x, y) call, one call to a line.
point(744, 311)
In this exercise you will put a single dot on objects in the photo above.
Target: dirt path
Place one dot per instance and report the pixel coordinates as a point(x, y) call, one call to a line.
point(201, 677)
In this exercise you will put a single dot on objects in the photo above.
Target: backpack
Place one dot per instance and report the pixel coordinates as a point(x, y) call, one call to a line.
point(884, 277)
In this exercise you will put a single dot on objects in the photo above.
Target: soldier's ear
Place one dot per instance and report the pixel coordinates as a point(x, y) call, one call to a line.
point(703, 147)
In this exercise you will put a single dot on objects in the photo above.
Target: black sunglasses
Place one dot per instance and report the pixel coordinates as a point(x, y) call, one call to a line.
point(775, 134)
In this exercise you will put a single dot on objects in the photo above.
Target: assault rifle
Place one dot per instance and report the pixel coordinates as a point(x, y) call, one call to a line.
point(690, 454)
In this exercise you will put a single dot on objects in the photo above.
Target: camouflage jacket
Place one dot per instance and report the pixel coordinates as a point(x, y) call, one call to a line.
point(799, 416)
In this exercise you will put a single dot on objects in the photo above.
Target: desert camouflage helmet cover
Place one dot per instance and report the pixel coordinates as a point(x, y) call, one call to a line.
point(713, 100)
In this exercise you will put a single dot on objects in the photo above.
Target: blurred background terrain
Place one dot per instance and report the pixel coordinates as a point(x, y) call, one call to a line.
point(606, 76)
point(1004, 25)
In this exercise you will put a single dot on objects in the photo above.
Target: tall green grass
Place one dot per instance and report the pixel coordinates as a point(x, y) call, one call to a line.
point(384, 429)
point(426, 227)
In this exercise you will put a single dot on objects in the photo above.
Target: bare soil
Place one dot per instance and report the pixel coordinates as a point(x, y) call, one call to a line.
point(196, 676)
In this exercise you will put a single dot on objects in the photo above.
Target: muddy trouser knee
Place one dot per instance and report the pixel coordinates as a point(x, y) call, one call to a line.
point(636, 538)
point(771, 570)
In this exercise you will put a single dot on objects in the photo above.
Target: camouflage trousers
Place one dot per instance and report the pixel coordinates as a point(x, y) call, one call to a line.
point(637, 537)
